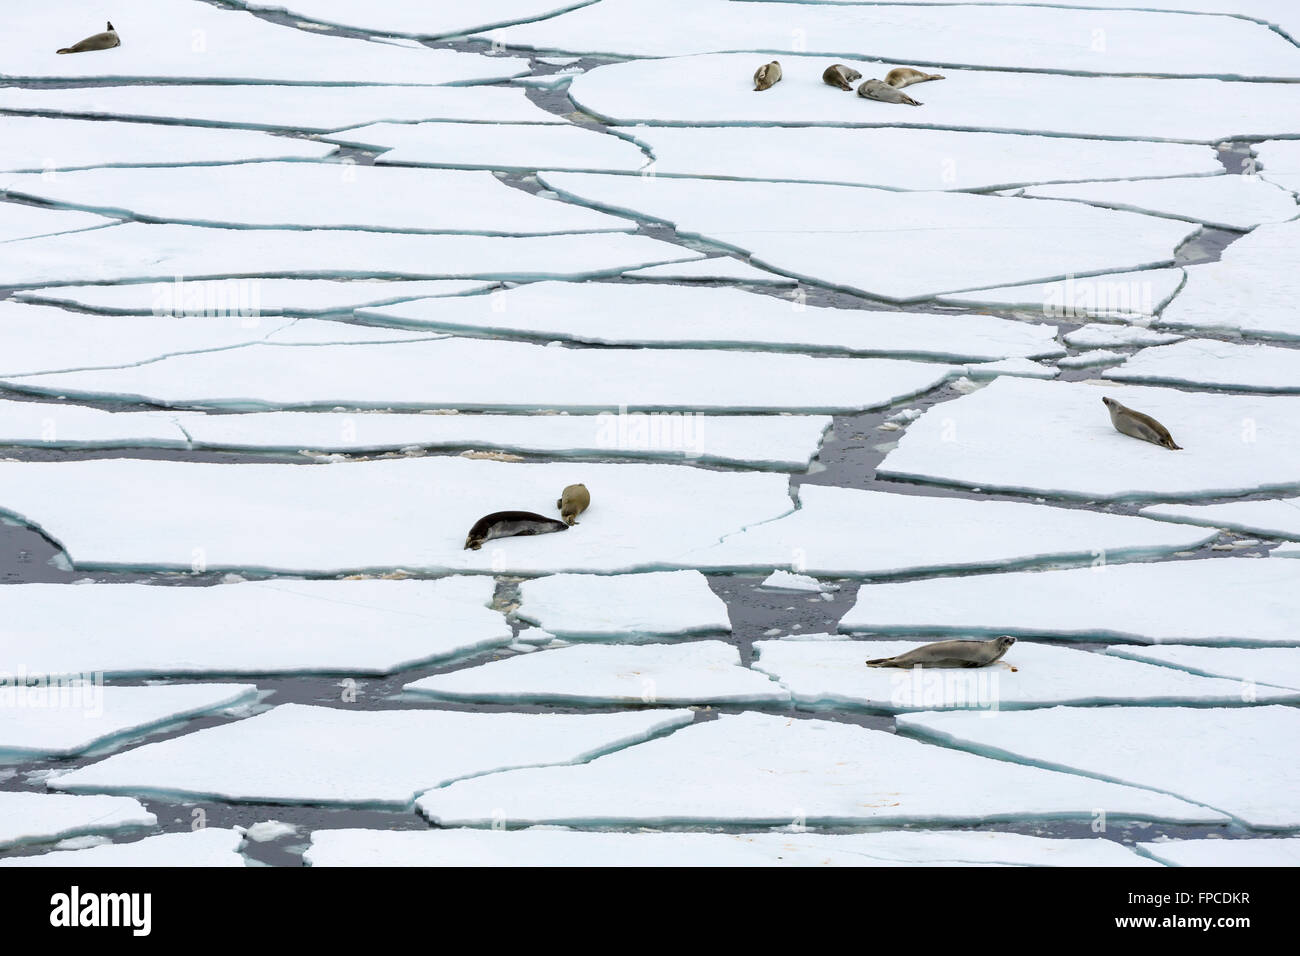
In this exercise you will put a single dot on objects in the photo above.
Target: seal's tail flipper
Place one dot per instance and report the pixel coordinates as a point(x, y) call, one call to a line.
point(881, 662)
point(64, 50)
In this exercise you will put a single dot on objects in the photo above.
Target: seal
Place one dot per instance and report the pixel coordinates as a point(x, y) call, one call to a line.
point(906, 76)
point(949, 654)
point(841, 76)
point(508, 524)
point(767, 76)
point(574, 500)
point(1137, 425)
point(100, 41)
point(877, 90)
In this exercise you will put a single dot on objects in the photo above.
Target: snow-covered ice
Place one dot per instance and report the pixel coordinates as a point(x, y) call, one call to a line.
point(1121, 295)
point(389, 514)
point(27, 817)
point(553, 846)
point(64, 718)
point(595, 607)
point(762, 769)
point(1056, 438)
point(1023, 367)
point(416, 18)
point(19, 221)
point(262, 627)
point(1281, 851)
point(58, 425)
point(930, 159)
point(696, 672)
point(1229, 202)
point(1093, 357)
point(1238, 760)
point(143, 251)
point(667, 91)
point(1213, 601)
point(833, 673)
point(1249, 367)
point(207, 846)
point(839, 235)
point(848, 532)
point(315, 109)
point(315, 195)
point(612, 313)
point(786, 581)
point(718, 268)
point(1096, 335)
point(500, 146)
point(466, 374)
point(1280, 162)
point(1276, 518)
point(1272, 666)
point(329, 756)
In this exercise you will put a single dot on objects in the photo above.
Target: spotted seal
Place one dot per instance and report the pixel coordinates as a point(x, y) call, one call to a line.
point(1137, 425)
point(100, 41)
point(949, 654)
point(508, 524)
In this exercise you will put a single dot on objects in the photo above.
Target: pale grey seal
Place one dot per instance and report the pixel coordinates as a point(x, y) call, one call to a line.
point(841, 76)
point(574, 500)
point(879, 90)
point(100, 41)
point(905, 76)
point(508, 524)
point(949, 654)
point(767, 76)
point(1137, 425)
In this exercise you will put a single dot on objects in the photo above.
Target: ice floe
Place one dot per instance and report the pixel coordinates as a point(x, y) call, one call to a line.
point(63, 718)
point(27, 817)
point(1056, 438)
point(245, 297)
point(202, 42)
point(1272, 666)
point(19, 221)
point(1122, 295)
point(59, 425)
point(495, 146)
point(415, 18)
point(463, 373)
point(1252, 289)
point(697, 672)
point(1238, 760)
point(667, 92)
point(1280, 162)
point(594, 607)
point(1229, 202)
point(1282, 851)
point(718, 268)
point(1032, 38)
point(1013, 366)
point(613, 313)
point(139, 251)
point(1098, 336)
point(1235, 601)
point(848, 532)
point(299, 108)
point(160, 514)
point(1279, 518)
point(1207, 362)
point(786, 581)
point(929, 159)
point(269, 627)
point(1093, 357)
point(839, 235)
point(208, 846)
point(315, 195)
point(328, 756)
point(762, 769)
point(827, 673)
point(553, 846)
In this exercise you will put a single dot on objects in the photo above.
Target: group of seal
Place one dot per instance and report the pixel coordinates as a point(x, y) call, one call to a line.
point(100, 41)
point(573, 501)
point(1137, 425)
point(837, 74)
point(949, 654)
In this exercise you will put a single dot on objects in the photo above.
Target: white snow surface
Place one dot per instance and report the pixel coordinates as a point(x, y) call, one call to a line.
point(1228, 202)
point(207, 846)
point(1122, 295)
point(1249, 367)
point(716, 268)
point(19, 222)
point(1273, 666)
point(29, 817)
point(1276, 518)
point(593, 607)
point(1283, 851)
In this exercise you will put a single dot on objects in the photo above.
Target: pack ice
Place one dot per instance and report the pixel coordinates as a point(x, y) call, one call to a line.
point(829, 673)
point(659, 315)
point(27, 817)
point(1219, 601)
point(183, 515)
point(19, 221)
point(718, 268)
point(1238, 760)
point(804, 230)
point(1228, 202)
point(415, 18)
point(1056, 438)
point(1278, 518)
point(697, 672)
point(208, 846)
point(265, 627)
point(1129, 296)
point(296, 754)
point(1280, 162)
point(1278, 851)
point(764, 770)
point(1272, 666)
point(909, 534)
point(1252, 367)
point(593, 607)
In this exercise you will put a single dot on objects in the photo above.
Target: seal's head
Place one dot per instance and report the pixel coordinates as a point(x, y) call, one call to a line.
point(1005, 642)
point(473, 542)
point(1110, 403)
